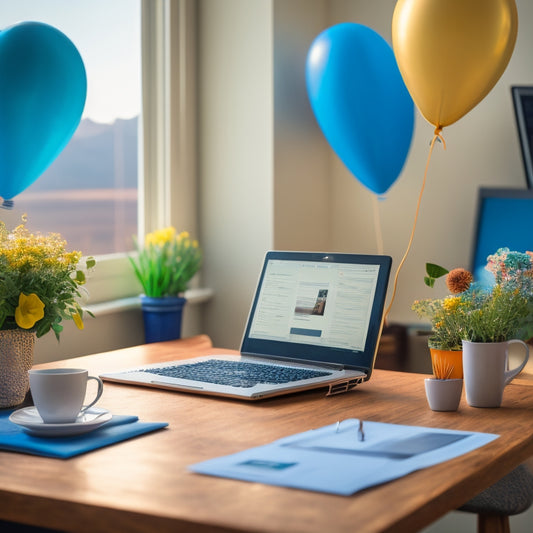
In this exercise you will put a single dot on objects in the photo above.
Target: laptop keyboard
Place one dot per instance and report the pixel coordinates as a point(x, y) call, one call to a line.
point(237, 373)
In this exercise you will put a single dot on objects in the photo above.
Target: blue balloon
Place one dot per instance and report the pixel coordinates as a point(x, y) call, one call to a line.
point(361, 103)
point(43, 86)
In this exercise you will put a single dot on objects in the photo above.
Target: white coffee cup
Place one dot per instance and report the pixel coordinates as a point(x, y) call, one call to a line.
point(59, 393)
point(486, 371)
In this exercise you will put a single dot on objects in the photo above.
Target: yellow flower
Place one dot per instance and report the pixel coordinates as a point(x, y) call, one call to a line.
point(166, 262)
point(76, 317)
point(451, 303)
point(29, 311)
point(160, 237)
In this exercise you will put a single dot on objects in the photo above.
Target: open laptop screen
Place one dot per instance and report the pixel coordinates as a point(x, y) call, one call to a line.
point(318, 307)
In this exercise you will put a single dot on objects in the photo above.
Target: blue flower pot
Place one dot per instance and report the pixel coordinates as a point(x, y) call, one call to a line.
point(162, 317)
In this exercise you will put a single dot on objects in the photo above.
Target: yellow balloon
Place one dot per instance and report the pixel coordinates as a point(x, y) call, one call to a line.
point(451, 53)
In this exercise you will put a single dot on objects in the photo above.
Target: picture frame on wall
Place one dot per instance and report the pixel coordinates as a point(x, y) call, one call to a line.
point(523, 108)
point(504, 219)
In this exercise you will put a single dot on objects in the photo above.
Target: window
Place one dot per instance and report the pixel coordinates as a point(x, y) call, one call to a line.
point(160, 36)
point(89, 193)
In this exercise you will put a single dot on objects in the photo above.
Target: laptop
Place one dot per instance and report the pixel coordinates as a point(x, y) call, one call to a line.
point(315, 321)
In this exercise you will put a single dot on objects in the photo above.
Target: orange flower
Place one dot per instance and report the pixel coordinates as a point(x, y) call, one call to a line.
point(458, 280)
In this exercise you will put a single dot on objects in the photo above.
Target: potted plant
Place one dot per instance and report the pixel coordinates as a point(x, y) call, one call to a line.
point(442, 391)
point(486, 318)
point(40, 286)
point(445, 317)
point(497, 317)
point(164, 265)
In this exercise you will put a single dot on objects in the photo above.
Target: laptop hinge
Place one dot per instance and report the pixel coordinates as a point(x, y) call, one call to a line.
point(344, 385)
point(304, 362)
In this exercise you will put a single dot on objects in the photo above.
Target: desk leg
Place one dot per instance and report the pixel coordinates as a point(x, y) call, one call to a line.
point(493, 523)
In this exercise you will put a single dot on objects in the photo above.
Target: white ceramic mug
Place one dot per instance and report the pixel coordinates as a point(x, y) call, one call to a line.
point(486, 374)
point(59, 393)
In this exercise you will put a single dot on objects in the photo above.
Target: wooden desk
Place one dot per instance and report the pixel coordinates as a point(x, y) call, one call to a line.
point(143, 485)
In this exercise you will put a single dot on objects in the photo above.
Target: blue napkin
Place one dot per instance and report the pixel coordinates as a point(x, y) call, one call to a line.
point(13, 438)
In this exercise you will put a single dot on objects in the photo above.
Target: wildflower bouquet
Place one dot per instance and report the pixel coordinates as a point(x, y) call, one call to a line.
point(505, 310)
point(479, 313)
point(39, 281)
point(166, 263)
point(446, 318)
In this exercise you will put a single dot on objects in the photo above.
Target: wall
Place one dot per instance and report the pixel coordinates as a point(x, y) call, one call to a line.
point(235, 156)
point(110, 329)
point(106, 332)
point(302, 195)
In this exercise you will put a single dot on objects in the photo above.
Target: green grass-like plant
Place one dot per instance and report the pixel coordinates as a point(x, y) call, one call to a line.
point(166, 263)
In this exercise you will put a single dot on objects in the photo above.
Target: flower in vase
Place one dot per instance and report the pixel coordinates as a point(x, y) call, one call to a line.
point(40, 281)
point(166, 262)
point(481, 313)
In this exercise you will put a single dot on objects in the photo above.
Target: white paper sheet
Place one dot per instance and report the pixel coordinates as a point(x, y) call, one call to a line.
point(332, 459)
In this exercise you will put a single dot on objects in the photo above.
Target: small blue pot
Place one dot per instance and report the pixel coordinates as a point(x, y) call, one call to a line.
point(162, 317)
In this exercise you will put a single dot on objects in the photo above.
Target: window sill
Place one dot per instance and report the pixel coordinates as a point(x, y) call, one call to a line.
point(194, 297)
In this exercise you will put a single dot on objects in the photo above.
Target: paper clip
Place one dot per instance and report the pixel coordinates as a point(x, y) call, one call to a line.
point(360, 432)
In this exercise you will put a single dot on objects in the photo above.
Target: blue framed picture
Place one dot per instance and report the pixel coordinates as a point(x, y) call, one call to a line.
point(504, 219)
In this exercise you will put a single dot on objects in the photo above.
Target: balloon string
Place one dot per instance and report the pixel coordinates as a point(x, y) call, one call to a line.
point(436, 136)
point(377, 226)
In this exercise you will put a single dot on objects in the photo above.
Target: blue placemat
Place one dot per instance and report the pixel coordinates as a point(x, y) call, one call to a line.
point(13, 438)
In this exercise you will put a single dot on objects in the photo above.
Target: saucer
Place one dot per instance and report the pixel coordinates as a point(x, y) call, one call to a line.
point(28, 418)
